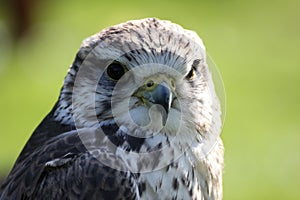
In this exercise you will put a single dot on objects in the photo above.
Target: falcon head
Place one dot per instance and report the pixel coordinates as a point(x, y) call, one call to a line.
point(148, 76)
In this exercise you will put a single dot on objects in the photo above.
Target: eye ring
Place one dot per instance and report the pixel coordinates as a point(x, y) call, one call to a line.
point(115, 70)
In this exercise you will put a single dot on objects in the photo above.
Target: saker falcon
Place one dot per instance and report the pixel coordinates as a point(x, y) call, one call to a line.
point(137, 118)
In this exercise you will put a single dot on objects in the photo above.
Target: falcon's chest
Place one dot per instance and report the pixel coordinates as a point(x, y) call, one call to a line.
point(169, 167)
point(182, 179)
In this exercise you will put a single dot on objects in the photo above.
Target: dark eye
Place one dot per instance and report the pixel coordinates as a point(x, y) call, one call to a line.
point(191, 74)
point(115, 70)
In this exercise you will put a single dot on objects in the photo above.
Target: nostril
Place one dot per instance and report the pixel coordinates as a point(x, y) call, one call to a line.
point(150, 83)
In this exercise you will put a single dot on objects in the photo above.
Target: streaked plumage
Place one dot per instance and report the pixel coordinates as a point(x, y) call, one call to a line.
point(151, 133)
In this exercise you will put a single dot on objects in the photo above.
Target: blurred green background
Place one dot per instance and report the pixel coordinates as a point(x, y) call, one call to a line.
point(255, 44)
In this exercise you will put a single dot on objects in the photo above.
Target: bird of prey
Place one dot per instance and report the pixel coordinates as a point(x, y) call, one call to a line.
point(137, 118)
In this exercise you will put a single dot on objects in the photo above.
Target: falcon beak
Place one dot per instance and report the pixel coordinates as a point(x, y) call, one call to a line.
point(159, 94)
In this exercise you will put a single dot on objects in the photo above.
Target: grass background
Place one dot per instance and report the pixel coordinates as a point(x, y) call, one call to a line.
point(255, 45)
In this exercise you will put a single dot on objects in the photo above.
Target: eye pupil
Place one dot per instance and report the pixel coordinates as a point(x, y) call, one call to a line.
point(191, 74)
point(115, 70)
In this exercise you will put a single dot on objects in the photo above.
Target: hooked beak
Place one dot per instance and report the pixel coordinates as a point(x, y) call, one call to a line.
point(158, 94)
